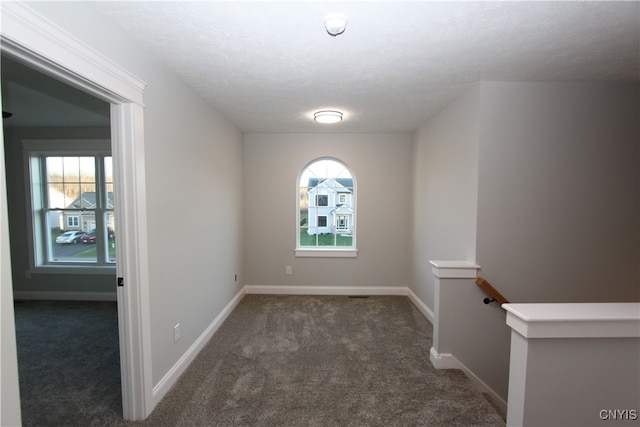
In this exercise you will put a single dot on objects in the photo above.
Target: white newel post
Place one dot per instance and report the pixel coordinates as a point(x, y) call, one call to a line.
point(574, 364)
point(452, 278)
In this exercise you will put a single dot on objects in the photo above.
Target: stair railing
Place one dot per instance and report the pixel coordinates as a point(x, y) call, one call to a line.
point(491, 291)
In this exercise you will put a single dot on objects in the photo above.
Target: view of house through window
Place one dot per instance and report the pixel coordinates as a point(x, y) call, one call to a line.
point(326, 215)
point(73, 209)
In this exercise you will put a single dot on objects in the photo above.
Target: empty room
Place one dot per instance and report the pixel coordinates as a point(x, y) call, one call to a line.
point(286, 208)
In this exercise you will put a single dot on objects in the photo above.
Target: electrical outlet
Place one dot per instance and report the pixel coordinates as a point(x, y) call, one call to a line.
point(288, 270)
point(176, 333)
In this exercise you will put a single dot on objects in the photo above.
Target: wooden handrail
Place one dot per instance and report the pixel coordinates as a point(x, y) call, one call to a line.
point(493, 293)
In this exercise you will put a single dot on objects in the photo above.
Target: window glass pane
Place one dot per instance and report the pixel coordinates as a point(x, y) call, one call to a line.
point(72, 195)
point(72, 225)
point(108, 174)
point(110, 222)
point(87, 198)
point(326, 209)
point(56, 197)
point(326, 240)
point(67, 244)
point(71, 169)
point(71, 181)
point(344, 240)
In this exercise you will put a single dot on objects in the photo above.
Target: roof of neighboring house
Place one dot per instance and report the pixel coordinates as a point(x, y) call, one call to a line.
point(88, 200)
point(345, 182)
point(342, 209)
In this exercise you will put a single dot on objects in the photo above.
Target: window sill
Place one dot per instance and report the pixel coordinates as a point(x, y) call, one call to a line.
point(326, 253)
point(74, 269)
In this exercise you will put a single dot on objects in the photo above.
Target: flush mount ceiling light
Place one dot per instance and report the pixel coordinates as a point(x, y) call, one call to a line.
point(335, 24)
point(327, 116)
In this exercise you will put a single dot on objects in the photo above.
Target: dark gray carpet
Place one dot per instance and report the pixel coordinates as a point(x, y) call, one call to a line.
point(68, 363)
point(322, 361)
point(276, 361)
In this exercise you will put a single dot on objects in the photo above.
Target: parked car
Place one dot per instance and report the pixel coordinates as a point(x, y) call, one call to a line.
point(70, 236)
point(89, 237)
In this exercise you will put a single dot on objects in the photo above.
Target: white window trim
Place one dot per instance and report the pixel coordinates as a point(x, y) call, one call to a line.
point(326, 253)
point(61, 147)
point(331, 251)
point(76, 221)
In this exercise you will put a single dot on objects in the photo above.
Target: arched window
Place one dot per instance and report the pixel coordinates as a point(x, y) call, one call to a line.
point(326, 211)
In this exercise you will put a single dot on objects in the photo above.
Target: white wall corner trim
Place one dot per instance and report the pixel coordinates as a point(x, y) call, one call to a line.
point(454, 269)
point(165, 384)
point(28, 35)
point(449, 361)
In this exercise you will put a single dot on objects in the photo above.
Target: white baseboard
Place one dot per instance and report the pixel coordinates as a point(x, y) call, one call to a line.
point(439, 361)
point(64, 296)
point(325, 290)
point(449, 361)
point(343, 290)
point(424, 309)
point(165, 384)
point(444, 360)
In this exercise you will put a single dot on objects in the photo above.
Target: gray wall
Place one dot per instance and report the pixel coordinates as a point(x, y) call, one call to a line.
point(558, 204)
point(194, 190)
point(381, 165)
point(445, 171)
point(558, 198)
point(19, 220)
point(558, 201)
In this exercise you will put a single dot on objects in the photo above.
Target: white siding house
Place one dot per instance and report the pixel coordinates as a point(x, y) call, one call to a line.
point(330, 206)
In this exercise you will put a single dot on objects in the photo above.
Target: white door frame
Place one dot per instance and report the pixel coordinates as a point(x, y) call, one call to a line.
point(34, 40)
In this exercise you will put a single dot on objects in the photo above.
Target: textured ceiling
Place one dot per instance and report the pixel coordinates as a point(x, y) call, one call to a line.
point(267, 66)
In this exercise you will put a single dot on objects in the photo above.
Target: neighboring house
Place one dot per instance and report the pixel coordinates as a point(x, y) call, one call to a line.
point(330, 206)
point(85, 217)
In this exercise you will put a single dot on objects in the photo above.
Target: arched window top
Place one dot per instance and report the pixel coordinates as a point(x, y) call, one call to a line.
point(325, 168)
point(326, 210)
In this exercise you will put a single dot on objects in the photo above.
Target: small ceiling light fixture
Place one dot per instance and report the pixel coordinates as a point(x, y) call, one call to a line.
point(327, 116)
point(335, 24)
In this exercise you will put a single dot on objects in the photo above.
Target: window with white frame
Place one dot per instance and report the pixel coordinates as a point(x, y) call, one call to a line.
point(72, 204)
point(326, 209)
point(73, 221)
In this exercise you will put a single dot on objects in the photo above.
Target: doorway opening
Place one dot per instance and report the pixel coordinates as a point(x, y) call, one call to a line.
point(31, 39)
point(53, 336)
